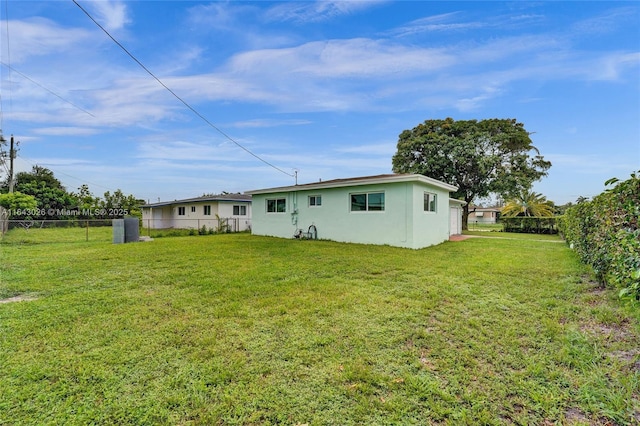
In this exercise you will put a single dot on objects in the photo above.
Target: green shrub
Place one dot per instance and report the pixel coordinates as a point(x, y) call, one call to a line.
point(605, 234)
point(530, 224)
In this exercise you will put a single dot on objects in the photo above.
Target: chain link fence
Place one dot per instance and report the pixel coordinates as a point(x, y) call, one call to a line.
point(77, 230)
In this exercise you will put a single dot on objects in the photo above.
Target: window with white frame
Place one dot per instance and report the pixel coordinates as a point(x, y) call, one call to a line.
point(193, 209)
point(430, 202)
point(276, 205)
point(181, 211)
point(239, 210)
point(315, 200)
point(367, 202)
point(207, 210)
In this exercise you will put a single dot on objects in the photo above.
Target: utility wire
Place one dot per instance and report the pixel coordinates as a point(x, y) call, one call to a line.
point(6, 17)
point(2, 152)
point(32, 163)
point(178, 97)
point(44, 88)
point(10, 68)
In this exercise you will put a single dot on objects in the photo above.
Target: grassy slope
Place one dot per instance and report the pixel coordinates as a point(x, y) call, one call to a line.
point(238, 329)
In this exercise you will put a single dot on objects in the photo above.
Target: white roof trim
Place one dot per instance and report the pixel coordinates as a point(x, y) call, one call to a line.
point(359, 181)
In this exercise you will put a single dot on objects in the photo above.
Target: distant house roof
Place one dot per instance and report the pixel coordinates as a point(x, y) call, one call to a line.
point(210, 198)
point(484, 209)
point(356, 181)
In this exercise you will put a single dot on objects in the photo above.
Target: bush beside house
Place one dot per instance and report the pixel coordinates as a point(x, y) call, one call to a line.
point(605, 234)
point(530, 224)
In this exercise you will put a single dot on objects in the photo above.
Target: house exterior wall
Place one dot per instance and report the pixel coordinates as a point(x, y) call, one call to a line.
point(483, 217)
point(403, 223)
point(430, 228)
point(157, 217)
point(225, 210)
point(167, 216)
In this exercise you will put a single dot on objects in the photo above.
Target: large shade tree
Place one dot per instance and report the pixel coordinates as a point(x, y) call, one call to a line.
point(479, 157)
point(51, 195)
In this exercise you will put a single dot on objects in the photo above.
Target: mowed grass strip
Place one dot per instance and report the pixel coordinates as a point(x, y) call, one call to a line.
point(239, 329)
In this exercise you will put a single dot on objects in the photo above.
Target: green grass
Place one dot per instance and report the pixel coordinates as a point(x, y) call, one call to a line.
point(515, 236)
point(239, 329)
point(36, 235)
point(485, 227)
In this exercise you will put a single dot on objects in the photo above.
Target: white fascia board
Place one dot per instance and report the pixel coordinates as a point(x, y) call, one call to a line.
point(456, 201)
point(374, 180)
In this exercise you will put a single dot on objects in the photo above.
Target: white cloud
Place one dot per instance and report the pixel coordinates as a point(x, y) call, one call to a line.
point(111, 14)
point(315, 11)
point(65, 131)
point(191, 154)
point(219, 15)
point(442, 22)
point(604, 23)
point(349, 58)
point(358, 74)
point(262, 123)
point(456, 22)
point(611, 67)
point(384, 149)
point(589, 164)
point(35, 37)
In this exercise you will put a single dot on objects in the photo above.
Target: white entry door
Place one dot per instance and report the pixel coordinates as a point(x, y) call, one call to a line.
point(454, 217)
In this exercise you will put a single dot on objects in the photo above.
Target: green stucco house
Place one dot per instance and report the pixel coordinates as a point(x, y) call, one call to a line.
point(403, 210)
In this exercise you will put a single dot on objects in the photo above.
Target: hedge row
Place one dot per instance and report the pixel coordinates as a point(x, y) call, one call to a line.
point(604, 232)
point(529, 224)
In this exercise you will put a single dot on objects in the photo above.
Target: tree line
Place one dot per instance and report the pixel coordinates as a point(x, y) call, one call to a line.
point(38, 194)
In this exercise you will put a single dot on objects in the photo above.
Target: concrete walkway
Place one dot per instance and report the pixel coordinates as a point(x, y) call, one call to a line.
point(460, 237)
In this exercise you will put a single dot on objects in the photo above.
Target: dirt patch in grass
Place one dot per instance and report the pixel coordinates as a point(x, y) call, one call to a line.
point(576, 416)
point(615, 332)
point(631, 356)
point(18, 298)
point(611, 332)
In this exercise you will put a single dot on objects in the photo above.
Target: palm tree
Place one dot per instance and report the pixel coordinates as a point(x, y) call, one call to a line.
point(528, 203)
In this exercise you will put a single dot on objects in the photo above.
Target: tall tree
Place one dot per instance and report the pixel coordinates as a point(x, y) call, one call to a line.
point(479, 157)
point(86, 203)
point(120, 201)
point(39, 174)
point(51, 195)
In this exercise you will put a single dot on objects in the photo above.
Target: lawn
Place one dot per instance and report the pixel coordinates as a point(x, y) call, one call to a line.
point(240, 329)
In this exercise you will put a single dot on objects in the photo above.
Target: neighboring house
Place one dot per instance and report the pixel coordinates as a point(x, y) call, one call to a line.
point(233, 209)
point(483, 215)
point(403, 210)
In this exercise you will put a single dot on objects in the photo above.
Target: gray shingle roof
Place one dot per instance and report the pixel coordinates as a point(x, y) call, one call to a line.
point(209, 198)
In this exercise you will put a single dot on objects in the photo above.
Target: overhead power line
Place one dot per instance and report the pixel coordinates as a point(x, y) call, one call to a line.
point(6, 17)
point(45, 88)
point(202, 117)
point(58, 172)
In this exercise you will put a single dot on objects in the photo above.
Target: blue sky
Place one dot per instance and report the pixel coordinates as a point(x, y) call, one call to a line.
point(319, 87)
